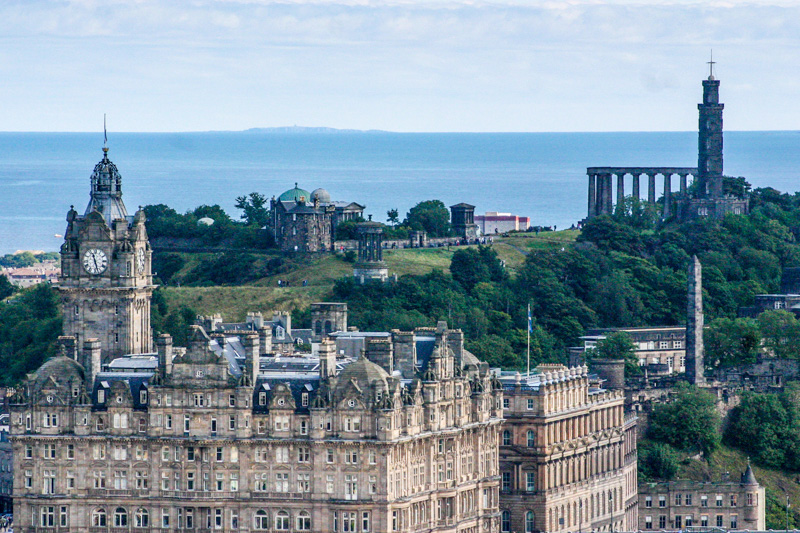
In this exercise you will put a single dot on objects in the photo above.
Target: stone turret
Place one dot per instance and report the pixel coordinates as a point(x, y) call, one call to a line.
point(91, 359)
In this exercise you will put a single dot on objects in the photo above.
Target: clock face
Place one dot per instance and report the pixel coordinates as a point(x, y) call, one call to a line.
point(95, 261)
point(140, 261)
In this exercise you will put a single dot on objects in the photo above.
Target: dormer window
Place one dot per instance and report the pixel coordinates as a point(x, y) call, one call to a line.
point(143, 396)
point(262, 398)
point(304, 399)
point(101, 396)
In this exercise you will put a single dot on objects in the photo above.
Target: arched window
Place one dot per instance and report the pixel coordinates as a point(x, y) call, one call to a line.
point(505, 522)
point(142, 518)
point(99, 518)
point(529, 522)
point(531, 438)
point(261, 520)
point(303, 521)
point(120, 517)
point(282, 521)
point(506, 438)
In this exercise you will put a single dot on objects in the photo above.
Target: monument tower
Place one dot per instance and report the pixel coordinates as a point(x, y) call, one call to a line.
point(106, 281)
point(709, 139)
point(694, 325)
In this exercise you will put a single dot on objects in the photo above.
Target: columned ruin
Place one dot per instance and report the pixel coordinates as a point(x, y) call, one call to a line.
point(601, 193)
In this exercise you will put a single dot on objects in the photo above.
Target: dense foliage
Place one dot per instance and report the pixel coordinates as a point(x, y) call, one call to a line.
point(767, 426)
point(26, 259)
point(30, 324)
point(690, 422)
point(163, 222)
point(431, 216)
point(658, 461)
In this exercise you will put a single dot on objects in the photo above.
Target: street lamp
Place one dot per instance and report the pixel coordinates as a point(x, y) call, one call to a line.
point(611, 505)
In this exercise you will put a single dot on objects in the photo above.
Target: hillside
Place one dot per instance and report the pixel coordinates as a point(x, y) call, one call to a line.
point(320, 273)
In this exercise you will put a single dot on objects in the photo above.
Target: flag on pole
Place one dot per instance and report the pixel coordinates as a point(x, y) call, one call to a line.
point(530, 320)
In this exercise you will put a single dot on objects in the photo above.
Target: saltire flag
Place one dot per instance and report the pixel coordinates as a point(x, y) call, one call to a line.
point(530, 320)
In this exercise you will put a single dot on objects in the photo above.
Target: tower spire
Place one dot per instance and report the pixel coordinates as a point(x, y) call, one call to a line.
point(105, 138)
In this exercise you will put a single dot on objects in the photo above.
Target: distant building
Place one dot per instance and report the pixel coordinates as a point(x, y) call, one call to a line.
point(46, 272)
point(493, 222)
point(677, 505)
point(462, 220)
point(305, 222)
point(661, 350)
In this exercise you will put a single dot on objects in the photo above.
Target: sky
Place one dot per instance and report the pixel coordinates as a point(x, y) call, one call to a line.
point(398, 65)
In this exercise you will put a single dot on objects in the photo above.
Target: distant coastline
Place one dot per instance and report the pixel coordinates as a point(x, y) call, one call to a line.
point(306, 129)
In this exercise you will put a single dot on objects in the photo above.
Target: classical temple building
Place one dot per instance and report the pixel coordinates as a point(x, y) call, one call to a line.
point(305, 222)
point(704, 197)
point(567, 454)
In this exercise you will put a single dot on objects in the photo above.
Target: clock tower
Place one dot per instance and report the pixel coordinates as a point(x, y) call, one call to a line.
point(106, 283)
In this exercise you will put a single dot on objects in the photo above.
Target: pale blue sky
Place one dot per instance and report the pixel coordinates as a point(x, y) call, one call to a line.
point(424, 65)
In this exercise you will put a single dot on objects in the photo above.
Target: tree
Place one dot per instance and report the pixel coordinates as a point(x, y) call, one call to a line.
point(431, 216)
point(690, 422)
point(470, 266)
point(761, 426)
point(617, 345)
point(254, 209)
point(731, 341)
point(658, 462)
point(393, 216)
point(6, 288)
point(780, 330)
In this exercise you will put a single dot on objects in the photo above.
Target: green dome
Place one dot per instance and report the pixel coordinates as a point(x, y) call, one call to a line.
point(294, 195)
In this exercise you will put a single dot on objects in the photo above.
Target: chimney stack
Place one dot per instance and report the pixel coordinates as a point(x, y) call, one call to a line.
point(327, 359)
point(252, 354)
point(91, 358)
point(164, 349)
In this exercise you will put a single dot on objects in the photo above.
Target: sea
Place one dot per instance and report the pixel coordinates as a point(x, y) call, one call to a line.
point(540, 175)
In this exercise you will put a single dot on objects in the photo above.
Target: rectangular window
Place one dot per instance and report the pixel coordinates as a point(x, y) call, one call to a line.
point(28, 451)
point(530, 404)
point(678, 522)
point(186, 422)
point(530, 481)
point(303, 482)
point(505, 403)
point(662, 522)
point(365, 522)
point(232, 423)
point(164, 518)
point(506, 481)
point(734, 521)
point(703, 520)
point(329, 484)
point(168, 421)
point(662, 501)
point(648, 522)
point(190, 453)
point(281, 454)
point(703, 501)
point(688, 499)
point(282, 482)
point(688, 520)
point(678, 499)
point(734, 500)
point(330, 456)
point(63, 516)
point(719, 500)
point(303, 455)
point(648, 501)
point(219, 454)
point(350, 487)
point(372, 457)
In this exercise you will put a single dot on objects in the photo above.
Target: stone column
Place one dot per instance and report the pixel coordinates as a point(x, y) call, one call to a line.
point(651, 188)
point(667, 195)
point(620, 188)
point(635, 192)
point(608, 199)
point(592, 199)
point(683, 183)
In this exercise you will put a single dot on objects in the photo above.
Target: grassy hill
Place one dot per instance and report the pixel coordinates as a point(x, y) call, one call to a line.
point(321, 271)
point(778, 484)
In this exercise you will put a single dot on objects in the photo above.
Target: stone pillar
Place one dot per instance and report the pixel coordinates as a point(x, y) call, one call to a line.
point(651, 188)
point(620, 188)
point(683, 184)
point(592, 200)
point(608, 202)
point(667, 195)
point(694, 325)
point(635, 192)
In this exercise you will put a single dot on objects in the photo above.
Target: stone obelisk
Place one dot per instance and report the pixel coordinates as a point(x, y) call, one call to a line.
point(694, 325)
